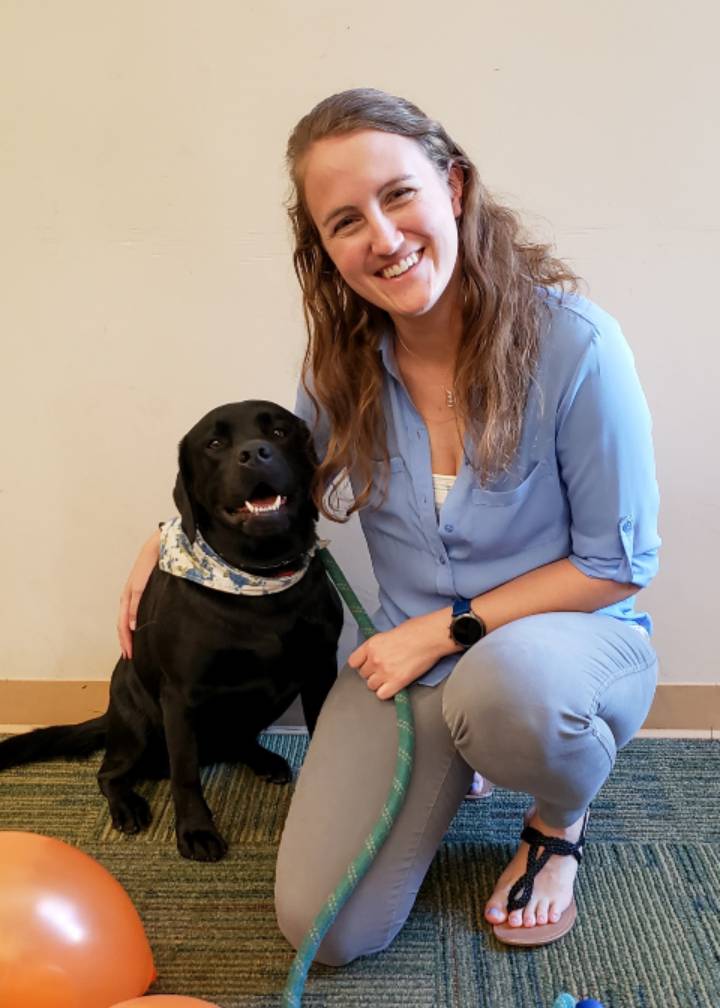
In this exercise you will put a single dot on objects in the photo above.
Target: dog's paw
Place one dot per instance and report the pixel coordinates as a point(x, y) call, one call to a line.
point(130, 814)
point(269, 766)
point(276, 772)
point(201, 844)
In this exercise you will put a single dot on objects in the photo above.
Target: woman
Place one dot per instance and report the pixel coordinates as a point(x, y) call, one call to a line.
point(498, 447)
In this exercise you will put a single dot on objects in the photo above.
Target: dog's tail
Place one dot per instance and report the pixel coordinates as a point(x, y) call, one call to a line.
point(49, 743)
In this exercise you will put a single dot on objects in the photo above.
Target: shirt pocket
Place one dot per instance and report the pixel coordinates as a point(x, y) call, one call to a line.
point(507, 522)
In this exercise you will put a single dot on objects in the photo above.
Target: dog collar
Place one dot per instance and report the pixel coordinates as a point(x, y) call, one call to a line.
point(200, 563)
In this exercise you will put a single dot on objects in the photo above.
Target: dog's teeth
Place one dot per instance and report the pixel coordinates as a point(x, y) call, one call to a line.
point(259, 509)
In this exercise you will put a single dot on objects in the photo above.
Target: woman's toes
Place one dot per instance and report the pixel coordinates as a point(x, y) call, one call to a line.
point(494, 913)
point(554, 913)
point(515, 919)
point(529, 917)
point(541, 914)
point(477, 785)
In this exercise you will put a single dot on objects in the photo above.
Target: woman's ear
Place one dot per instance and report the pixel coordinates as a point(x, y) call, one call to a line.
point(456, 179)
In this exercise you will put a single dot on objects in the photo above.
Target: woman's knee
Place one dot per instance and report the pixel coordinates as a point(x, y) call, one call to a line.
point(493, 692)
point(548, 677)
point(345, 940)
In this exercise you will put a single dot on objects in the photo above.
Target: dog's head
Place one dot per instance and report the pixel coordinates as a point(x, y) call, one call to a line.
point(244, 479)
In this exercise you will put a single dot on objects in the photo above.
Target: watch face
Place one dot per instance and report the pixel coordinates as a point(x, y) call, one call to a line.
point(467, 630)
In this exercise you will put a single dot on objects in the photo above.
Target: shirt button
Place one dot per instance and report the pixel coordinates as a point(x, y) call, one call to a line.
point(627, 525)
point(449, 528)
point(442, 559)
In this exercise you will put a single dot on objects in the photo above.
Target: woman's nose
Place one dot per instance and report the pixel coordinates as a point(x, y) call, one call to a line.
point(386, 238)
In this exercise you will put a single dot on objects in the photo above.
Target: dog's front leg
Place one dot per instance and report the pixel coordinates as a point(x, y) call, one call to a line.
point(196, 835)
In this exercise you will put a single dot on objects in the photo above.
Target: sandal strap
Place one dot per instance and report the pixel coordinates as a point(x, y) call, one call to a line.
point(520, 893)
point(553, 845)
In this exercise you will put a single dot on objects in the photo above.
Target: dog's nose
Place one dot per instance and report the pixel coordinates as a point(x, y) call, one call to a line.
point(256, 452)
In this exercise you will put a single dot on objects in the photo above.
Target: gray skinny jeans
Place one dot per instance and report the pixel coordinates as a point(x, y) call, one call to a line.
point(541, 705)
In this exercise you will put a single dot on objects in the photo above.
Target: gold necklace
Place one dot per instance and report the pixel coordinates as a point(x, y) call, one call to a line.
point(449, 392)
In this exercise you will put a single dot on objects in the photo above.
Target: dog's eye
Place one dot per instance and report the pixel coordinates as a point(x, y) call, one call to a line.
point(279, 432)
point(215, 443)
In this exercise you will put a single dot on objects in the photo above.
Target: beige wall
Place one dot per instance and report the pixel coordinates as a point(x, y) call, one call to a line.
point(147, 275)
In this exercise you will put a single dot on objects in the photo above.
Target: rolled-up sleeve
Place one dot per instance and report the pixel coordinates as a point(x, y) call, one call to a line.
point(605, 452)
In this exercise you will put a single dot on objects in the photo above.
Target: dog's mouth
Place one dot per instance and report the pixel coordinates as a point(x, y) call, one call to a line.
point(264, 501)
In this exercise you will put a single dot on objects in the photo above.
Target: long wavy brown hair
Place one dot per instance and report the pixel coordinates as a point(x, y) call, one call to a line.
point(500, 270)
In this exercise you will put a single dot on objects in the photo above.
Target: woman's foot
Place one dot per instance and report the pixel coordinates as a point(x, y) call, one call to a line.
point(553, 887)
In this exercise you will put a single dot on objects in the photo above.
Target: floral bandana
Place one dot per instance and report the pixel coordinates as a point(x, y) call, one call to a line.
point(200, 563)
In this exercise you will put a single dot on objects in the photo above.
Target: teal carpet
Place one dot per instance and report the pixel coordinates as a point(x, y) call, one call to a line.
point(648, 933)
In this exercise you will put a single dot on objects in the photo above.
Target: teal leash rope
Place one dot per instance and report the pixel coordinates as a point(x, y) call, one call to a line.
point(292, 995)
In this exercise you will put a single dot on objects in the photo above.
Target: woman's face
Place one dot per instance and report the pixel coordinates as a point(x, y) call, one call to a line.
point(386, 217)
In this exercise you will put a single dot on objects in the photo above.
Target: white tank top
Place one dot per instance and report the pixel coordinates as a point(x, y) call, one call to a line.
point(441, 488)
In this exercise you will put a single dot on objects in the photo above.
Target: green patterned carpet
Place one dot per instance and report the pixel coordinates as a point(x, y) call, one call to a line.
point(648, 934)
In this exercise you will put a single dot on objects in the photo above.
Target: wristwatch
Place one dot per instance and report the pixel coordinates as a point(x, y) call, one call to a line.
point(466, 628)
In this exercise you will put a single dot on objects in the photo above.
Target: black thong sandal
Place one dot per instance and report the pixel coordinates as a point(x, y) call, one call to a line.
point(519, 895)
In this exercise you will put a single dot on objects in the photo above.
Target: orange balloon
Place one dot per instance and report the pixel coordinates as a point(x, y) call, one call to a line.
point(70, 936)
point(165, 1001)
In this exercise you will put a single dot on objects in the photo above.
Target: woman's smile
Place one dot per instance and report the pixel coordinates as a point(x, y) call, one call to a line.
point(402, 268)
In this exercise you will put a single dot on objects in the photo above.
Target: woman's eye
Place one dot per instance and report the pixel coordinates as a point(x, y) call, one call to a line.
point(342, 224)
point(400, 193)
point(279, 432)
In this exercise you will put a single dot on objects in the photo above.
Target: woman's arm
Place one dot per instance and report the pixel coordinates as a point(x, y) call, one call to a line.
point(556, 587)
point(391, 660)
point(131, 593)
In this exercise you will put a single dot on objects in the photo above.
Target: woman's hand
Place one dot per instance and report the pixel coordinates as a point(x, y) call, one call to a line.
point(390, 661)
point(134, 587)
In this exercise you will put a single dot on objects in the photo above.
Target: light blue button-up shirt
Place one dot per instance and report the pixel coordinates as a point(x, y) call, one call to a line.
point(582, 484)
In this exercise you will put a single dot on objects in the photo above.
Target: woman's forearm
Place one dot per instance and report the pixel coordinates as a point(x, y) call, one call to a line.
point(391, 660)
point(556, 587)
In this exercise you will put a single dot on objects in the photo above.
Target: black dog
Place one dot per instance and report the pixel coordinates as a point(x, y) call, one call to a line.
point(210, 668)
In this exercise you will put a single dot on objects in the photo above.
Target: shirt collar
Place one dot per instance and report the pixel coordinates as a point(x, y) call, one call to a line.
point(387, 354)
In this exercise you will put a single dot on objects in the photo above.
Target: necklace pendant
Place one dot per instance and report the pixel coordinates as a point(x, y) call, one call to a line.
point(450, 398)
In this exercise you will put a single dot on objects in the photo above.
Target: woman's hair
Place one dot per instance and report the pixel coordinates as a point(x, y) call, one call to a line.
point(500, 270)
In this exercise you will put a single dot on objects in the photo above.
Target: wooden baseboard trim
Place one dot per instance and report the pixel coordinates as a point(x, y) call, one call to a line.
point(685, 705)
point(45, 702)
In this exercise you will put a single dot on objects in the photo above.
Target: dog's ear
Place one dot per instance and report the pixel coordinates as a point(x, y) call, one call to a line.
point(307, 442)
point(181, 493)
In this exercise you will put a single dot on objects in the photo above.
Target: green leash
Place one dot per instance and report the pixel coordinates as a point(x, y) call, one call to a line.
point(292, 995)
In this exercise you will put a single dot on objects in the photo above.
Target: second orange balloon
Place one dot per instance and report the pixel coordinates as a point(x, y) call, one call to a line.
point(165, 1001)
